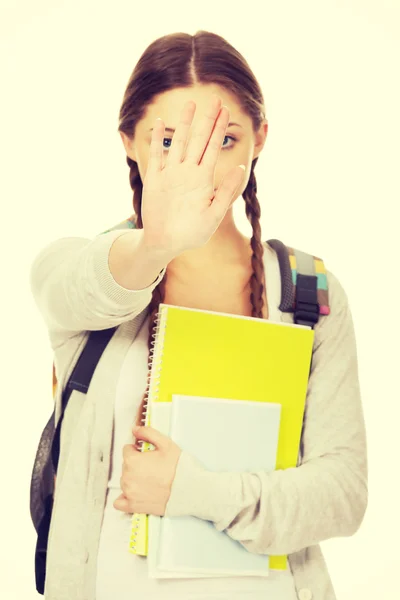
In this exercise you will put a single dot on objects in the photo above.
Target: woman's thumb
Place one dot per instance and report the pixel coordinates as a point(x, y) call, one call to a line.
point(227, 189)
point(148, 434)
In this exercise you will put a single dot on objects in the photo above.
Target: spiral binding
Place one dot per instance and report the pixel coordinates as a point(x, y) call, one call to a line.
point(139, 520)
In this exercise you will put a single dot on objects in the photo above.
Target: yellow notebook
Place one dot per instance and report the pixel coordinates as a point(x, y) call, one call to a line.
point(205, 353)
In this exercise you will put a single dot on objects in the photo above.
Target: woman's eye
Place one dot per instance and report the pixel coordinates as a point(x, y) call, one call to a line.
point(169, 140)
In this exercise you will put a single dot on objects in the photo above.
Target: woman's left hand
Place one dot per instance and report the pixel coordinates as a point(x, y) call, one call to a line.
point(147, 476)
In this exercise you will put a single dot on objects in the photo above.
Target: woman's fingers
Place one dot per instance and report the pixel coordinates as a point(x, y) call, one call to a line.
point(156, 147)
point(201, 135)
point(181, 134)
point(226, 192)
point(211, 154)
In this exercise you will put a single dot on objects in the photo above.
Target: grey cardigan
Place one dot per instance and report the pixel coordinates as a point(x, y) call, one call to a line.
point(287, 511)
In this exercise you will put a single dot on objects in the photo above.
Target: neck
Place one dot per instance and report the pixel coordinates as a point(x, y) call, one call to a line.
point(227, 247)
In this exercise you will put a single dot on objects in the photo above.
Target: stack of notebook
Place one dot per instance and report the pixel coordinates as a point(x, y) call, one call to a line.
point(231, 391)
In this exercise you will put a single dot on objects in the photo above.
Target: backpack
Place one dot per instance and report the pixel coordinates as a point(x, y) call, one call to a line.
point(304, 292)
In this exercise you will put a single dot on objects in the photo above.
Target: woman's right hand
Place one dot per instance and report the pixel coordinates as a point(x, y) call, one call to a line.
point(178, 209)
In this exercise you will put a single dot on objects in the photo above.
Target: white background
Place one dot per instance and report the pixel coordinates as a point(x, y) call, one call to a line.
point(328, 183)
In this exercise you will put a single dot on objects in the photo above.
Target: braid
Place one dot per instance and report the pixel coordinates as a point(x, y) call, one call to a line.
point(253, 212)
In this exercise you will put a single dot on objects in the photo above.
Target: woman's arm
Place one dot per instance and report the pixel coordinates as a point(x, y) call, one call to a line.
point(284, 511)
point(80, 284)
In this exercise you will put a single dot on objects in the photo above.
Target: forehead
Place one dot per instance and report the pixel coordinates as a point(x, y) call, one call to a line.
point(168, 106)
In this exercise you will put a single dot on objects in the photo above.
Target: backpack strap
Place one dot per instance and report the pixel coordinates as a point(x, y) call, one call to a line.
point(49, 446)
point(304, 289)
point(80, 378)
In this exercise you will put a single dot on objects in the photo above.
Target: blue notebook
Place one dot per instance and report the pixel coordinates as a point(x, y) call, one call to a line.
point(224, 435)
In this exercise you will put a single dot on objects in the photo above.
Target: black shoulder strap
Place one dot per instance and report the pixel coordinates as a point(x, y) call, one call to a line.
point(300, 298)
point(81, 377)
point(42, 497)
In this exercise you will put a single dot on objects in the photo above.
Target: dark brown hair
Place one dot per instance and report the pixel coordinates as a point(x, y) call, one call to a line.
point(183, 60)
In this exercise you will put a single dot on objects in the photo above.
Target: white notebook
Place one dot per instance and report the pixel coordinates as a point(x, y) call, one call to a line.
point(224, 435)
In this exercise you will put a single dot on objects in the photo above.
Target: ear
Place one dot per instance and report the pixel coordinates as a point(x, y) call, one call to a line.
point(260, 138)
point(128, 145)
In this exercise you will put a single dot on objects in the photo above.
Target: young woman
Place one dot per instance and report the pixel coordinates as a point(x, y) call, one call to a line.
point(193, 125)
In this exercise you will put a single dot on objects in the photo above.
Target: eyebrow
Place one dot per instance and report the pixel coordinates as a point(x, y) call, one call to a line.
point(173, 130)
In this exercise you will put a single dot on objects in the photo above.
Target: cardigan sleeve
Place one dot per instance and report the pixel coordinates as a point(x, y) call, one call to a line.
point(74, 289)
point(325, 496)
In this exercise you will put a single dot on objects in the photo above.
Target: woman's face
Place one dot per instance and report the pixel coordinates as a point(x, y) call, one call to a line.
point(240, 145)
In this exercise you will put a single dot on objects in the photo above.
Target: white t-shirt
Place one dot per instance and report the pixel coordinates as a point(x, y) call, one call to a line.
point(122, 575)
